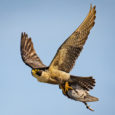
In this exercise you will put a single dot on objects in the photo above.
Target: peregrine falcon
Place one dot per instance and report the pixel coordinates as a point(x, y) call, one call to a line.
point(74, 87)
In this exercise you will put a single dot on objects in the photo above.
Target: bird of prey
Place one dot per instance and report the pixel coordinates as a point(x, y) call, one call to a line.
point(74, 87)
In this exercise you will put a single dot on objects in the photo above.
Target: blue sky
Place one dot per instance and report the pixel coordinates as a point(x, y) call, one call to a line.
point(49, 23)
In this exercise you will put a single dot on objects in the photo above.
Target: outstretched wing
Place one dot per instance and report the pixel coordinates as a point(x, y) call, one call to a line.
point(69, 51)
point(28, 53)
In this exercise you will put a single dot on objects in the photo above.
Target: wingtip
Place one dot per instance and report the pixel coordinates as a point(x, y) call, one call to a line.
point(24, 35)
point(90, 6)
point(21, 34)
point(93, 6)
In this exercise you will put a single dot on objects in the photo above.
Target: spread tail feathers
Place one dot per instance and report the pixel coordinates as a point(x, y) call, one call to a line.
point(85, 82)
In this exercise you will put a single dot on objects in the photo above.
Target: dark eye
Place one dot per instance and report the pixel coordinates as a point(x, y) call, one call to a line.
point(39, 73)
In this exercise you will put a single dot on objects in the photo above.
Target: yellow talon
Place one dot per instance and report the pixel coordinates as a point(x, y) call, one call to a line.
point(65, 88)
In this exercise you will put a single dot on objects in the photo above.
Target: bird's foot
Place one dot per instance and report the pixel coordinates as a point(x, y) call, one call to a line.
point(88, 106)
point(65, 88)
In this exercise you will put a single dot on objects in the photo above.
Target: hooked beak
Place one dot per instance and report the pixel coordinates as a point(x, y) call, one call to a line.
point(33, 71)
